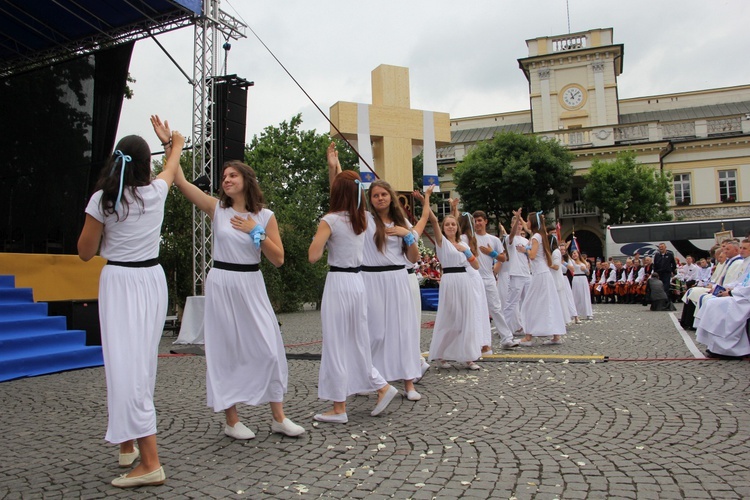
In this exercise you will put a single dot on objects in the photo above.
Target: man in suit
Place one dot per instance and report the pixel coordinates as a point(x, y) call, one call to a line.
point(665, 266)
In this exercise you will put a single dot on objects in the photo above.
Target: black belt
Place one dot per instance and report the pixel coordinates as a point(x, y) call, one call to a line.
point(335, 269)
point(140, 263)
point(580, 275)
point(380, 269)
point(449, 270)
point(240, 268)
point(410, 270)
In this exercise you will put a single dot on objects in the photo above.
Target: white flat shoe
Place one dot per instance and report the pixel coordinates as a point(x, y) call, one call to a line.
point(287, 427)
point(239, 431)
point(332, 418)
point(385, 401)
point(153, 478)
point(413, 395)
point(127, 459)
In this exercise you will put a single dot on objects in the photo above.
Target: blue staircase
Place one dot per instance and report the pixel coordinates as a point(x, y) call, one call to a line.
point(429, 298)
point(32, 343)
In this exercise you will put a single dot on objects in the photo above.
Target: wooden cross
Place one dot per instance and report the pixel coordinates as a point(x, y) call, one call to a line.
point(394, 126)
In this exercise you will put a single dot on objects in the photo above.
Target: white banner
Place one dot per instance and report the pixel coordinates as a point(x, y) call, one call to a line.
point(364, 144)
point(429, 165)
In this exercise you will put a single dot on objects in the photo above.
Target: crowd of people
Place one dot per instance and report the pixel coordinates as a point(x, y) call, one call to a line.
point(526, 283)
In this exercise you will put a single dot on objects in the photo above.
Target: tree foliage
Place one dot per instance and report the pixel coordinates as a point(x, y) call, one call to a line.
point(513, 170)
point(293, 174)
point(628, 191)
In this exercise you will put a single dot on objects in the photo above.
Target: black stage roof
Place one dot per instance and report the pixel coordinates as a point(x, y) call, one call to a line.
point(40, 32)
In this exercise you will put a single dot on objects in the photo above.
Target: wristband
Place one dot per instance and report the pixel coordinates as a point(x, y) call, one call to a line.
point(468, 253)
point(257, 234)
point(409, 239)
point(528, 248)
point(168, 143)
point(494, 254)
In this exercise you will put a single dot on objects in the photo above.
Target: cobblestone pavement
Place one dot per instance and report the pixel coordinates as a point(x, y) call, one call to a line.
point(651, 422)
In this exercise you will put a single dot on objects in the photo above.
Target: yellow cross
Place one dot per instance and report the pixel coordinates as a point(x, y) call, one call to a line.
point(394, 126)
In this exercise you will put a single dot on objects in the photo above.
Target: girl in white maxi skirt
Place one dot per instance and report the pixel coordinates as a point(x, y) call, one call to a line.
point(455, 336)
point(245, 358)
point(541, 309)
point(346, 364)
point(125, 215)
point(558, 270)
point(393, 326)
point(580, 285)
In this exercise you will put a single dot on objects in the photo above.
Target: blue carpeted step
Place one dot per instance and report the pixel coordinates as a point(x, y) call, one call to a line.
point(7, 281)
point(51, 362)
point(28, 344)
point(16, 295)
point(22, 310)
point(40, 324)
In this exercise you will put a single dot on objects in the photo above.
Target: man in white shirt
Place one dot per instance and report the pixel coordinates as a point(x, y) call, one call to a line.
point(490, 248)
point(690, 272)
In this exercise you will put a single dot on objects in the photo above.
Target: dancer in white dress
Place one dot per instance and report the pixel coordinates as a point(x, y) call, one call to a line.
point(346, 365)
point(559, 267)
point(519, 276)
point(580, 285)
point(541, 311)
point(501, 268)
point(245, 356)
point(125, 215)
point(455, 336)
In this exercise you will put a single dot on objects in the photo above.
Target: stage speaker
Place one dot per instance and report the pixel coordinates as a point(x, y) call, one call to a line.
point(230, 117)
point(81, 315)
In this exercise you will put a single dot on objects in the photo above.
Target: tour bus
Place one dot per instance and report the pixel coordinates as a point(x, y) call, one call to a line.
point(683, 238)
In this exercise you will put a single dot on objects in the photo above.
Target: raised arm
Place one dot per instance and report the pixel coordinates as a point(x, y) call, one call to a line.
point(334, 167)
point(515, 226)
point(205, 202)
point(172, 165)
point(422, 222)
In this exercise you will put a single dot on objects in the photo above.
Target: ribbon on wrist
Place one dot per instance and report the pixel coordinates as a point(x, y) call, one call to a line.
point(256, 233)
point(494, 254)
point(409, 239)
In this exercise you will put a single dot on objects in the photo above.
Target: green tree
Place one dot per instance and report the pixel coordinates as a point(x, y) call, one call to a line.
point(628, 191)
point(292, 171)
point(513, 170)
point(176, 252)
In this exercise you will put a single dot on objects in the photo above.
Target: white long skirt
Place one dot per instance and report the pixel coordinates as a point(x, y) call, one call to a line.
point(722, 325)
point(416, 296)
point(482, 312)
point(132, 311)
point(346, 364)
point(582, 297)
point(541, 311)
point(245, 357)
point(565, 292)
point(455, 336)
point(392, 325)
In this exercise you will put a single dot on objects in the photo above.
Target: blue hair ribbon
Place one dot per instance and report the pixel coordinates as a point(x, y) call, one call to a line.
point(538, 222)
point(360, 192)
point(125, 158)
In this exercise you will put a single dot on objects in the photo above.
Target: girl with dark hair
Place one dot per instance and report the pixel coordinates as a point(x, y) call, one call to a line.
point(245, 356)
point(455, 336)
point(541, 311)
point(123, 221)
point(346, 366)
point(390, 250)
point(559, 268)
point(580, 285)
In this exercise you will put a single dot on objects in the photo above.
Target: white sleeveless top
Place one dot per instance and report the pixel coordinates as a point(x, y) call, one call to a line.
point(232, 245)
point(345, 248)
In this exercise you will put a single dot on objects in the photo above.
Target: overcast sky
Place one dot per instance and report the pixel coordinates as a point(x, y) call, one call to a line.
point(462, 56)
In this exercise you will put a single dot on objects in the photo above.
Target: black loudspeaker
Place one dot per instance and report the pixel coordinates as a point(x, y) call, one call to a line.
point(230, 117)
point(81, 315)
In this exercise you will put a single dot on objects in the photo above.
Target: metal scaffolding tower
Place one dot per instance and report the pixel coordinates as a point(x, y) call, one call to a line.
point(207, 29)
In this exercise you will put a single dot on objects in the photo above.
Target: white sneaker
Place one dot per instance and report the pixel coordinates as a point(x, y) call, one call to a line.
point(510, 345)
point(332, 418)
point(239, 431)
point(526, 343)
point(287, 427)
point(413, 395)
point(425, 368)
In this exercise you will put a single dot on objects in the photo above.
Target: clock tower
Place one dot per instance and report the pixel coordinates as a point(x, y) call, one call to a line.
point(573, 80)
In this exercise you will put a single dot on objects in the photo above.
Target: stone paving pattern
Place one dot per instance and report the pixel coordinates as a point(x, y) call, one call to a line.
point(673, 428)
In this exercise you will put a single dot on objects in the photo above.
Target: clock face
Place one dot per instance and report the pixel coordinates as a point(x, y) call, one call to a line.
point(572, 97)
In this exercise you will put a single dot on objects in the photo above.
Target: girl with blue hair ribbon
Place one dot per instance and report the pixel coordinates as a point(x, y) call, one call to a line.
point(541, 311)
point(346, 366)
point(123, 221)
point(245, 355)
